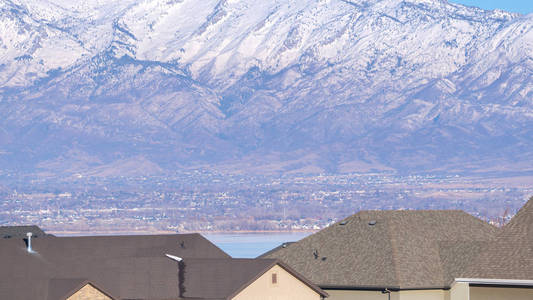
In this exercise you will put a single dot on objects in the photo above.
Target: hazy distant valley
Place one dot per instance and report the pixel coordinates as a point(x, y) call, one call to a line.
point(207, 202)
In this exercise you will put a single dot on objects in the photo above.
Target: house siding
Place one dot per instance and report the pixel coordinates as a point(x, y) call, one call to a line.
point(500, 293)
point(88, 292)
point(378, 295)
point(287, 287)
point(359, 295)
point(460, 291)
point(424, 295)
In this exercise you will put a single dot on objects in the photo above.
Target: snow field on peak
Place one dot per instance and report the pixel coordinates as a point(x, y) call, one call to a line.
point(218, 41)
point(189, 79)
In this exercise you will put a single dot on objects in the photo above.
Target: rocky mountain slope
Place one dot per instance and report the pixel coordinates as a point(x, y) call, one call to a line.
point(264, 86)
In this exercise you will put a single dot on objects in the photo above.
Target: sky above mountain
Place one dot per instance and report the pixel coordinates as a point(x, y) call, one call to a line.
point(519, 6)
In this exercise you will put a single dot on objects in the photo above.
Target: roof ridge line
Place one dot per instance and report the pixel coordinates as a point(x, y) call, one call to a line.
point(522, 211)
point(394, 248)
point(257, 276)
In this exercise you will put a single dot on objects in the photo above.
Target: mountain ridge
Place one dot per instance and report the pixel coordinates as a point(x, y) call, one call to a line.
point(405, 85)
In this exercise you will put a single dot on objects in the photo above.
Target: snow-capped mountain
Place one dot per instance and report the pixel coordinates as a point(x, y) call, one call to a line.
point(302, 85)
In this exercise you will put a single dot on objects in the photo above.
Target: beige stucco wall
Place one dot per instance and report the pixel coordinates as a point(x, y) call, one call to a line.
point(287, 288)
point(377, 295)
point(88, 292)
point(360, 295)
point(500, 293)
point(459, 291)
point(424, 295)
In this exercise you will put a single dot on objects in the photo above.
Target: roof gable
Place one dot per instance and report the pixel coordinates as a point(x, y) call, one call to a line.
point(225, 278)
point(218, 278)
point(62, 289)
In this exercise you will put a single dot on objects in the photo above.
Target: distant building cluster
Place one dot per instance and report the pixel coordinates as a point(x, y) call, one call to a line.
point(201, 201)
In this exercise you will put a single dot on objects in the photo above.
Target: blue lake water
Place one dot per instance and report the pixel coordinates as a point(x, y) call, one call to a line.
point(251, 245)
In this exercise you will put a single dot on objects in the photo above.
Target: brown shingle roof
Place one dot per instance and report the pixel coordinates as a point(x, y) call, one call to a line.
point(402, 250)
point(284, 245)
point(510, 255)
point(457, 255)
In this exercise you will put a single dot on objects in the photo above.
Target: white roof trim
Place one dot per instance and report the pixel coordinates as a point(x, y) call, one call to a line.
point(178, 259)
point(495, 281)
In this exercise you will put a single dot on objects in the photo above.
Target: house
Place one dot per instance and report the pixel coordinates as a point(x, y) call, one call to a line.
point(241, 279)
point(151, 267)
point(430, 255)
point(504, 268)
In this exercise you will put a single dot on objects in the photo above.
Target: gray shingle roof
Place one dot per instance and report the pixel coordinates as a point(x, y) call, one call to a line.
point(7, 232)
point(218, 278)
point(224, 278)
point(402, 250)
point(184, 245)
point(127, 267)
point(510, 255)
point(61, 288)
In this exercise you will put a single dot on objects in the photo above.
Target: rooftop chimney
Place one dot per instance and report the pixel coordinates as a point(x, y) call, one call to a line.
point(29, 234)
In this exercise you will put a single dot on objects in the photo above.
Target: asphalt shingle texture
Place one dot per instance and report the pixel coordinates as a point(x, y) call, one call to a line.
point(219, 278)
point(126, 267)
point(510, 255)
point(394, 249)
point(7, 232)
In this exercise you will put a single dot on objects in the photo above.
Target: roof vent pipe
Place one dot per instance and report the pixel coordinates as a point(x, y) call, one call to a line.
point(176, 258)
point(29, 234)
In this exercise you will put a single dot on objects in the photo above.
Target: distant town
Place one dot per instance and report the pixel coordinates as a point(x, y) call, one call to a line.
point(198, 201)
